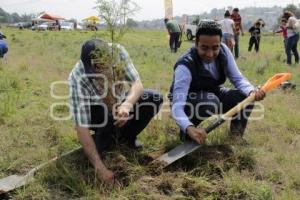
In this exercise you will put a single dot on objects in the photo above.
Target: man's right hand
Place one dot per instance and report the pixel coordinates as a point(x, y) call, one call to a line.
point(108, 177)
point(199, 135)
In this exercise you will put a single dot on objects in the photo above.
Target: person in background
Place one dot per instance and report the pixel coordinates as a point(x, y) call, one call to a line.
point(197, 90)
point(75, 25)
point(174, 32)
point(228, 30)
point(254, 37)
point(235, 16)
point(292, 37)
point(3, 45)
point(283, 29)
point(58, 25)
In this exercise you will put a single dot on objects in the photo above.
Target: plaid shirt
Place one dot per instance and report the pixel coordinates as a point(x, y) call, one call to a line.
point(84, 93)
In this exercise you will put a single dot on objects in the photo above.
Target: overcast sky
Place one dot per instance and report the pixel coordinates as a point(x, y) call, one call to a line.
point(150, 9)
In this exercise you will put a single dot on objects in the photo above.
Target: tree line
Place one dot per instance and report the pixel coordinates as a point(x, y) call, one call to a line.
point(6, 17)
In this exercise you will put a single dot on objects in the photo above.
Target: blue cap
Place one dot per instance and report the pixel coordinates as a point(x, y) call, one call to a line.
point(87, 54)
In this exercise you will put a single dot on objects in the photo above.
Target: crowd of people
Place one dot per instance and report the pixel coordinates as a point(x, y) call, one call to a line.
point(232, 29)
point(196, 91)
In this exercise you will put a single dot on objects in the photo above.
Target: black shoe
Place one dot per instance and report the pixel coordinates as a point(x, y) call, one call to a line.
point(237, 129)
point(135, 144)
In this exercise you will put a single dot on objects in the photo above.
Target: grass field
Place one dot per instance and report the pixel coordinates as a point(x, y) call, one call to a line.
point(266, 169)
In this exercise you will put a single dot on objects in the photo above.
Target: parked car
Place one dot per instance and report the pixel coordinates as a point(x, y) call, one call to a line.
point(21, 25)
point(79, 27)
point(67, 26)
point(43, 26)
point(191, 29)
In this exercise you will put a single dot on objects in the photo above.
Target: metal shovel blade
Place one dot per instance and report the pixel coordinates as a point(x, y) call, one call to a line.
point(15, 181)
point(178, 152)
point(12, 182)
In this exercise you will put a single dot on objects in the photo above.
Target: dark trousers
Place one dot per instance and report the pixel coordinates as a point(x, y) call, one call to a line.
point(236, 46)
point(255, 41)
point(291, 46)
point(3, 50)
point(143, 111)
point(202, 104)
point(173, 42)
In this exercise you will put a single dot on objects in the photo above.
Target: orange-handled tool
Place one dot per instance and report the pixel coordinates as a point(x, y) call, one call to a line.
point(189, 146)
point(275, 81)
point(271, 83)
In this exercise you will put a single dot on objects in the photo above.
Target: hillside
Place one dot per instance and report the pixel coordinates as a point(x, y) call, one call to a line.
point(249, 15)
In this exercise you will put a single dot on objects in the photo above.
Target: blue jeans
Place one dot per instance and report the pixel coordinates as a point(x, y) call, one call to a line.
point(237, 46)
point(291, 46)
point(143, 111)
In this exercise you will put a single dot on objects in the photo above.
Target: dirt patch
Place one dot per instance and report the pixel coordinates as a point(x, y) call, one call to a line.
point(121, 167)
point(156, 167)
point(190, 189)
point(165, 187)
point(204, 156)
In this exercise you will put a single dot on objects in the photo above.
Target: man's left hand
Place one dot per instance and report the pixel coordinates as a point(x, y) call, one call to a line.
point(122, 115)
point(259, 94)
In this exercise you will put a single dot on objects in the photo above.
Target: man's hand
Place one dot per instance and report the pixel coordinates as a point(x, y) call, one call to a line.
point(197, 134)
point(108, 177)
point(259, 94)
point(122, 114)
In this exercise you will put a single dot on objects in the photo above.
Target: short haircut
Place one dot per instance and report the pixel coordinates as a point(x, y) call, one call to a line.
point(208, 27)
point(236, 10)
point(227, 13)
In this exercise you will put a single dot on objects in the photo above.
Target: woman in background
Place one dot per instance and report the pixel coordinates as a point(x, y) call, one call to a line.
point(292, 37)
point(283, 29)
point(228, 31)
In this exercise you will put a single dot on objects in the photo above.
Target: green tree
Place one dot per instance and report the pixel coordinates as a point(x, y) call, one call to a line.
point(27, 17)
point(115, 14)
point(15, 17)
point(131, 23)
point(294, 9)
point(290, 7)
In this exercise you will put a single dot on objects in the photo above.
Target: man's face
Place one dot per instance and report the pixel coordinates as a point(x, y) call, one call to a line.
point(208, 47)
point(283, 22)
point(235, 13)
point(98, 66)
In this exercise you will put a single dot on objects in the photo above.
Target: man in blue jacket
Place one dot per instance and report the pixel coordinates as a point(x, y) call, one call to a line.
point(197, 91)
point(3, 45)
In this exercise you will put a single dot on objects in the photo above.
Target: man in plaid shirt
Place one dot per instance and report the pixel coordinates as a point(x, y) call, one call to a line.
point(90, 110)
